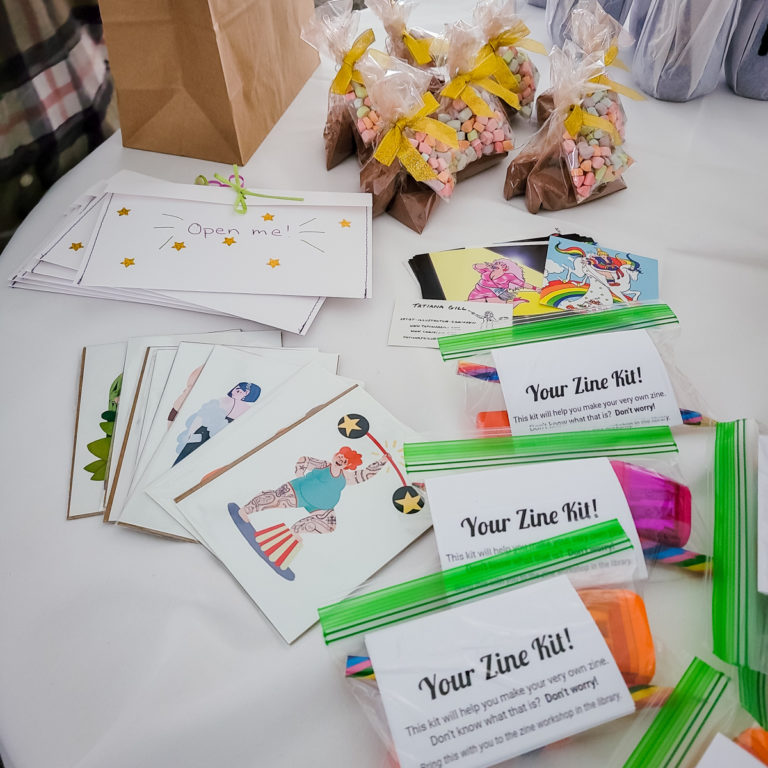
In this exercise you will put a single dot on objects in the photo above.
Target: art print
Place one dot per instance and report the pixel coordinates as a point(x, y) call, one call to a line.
point(312, 512)
point(125, 451)
point(188, 363)
point(588, 276)
point(510, 274)
point(230, 384)
point(314, 383)
point(98, 400)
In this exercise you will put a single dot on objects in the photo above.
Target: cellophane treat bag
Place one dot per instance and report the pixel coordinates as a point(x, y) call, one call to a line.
point(558, 13)
point(333, 32)
point(411, 155)
point(680, 51)
point(410, 44)
point(594, 31)
point(506, 36)
point(470, 102)
point(578, 154)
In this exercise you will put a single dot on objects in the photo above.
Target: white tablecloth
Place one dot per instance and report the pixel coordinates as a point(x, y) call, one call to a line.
point(121, 649)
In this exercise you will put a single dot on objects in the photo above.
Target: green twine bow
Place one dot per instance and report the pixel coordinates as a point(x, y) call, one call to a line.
point(241, 192)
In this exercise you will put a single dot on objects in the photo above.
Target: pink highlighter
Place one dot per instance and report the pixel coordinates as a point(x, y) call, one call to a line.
point(660, 506)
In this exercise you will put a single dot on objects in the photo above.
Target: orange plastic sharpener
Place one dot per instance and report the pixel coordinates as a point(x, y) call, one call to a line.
point(621, 618)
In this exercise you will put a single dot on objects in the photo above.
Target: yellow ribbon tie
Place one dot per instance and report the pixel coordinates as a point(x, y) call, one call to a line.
point(347, 70)
point(624, 90)
point(516, 36)
point(612, 61)
point(460, 88)
point(419, 48)
point(394, 143)
point(579, 117)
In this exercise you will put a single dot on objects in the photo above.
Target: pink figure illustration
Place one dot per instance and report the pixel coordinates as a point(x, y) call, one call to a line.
point(499, 282)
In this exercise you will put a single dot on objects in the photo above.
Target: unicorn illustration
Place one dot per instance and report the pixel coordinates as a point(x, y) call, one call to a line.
point(608, 278)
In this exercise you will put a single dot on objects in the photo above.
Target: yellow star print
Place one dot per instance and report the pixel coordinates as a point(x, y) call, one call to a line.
point(410, 503)
point(75, 246)
point(179, 246)
point(268, 217)
point(126, 262)
point(123, 211)
point(229, 241)
point(344, 223)
point(349, 425)
point(273, 263)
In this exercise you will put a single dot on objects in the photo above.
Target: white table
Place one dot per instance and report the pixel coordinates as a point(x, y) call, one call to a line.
point(121, 649)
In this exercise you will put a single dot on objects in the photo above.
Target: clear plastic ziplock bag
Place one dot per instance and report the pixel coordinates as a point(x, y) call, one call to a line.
point(680, 50)
point(574, 370)
point(739, 607)
point(631, 475)
point(506, 38)
point(700, 725)
point(578, 154)
point(411, 143)
point(333, 32)
point(594, 31)
point(493, 659)
point(471, 101)
point(410, 44)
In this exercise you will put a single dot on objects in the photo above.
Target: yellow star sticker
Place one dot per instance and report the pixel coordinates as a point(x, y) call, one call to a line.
point(273, 263)
point(229, 241)
point(179, 246)
point(344, 223)
point(349, 425)
point(410, 503)
point(75, 246)
point(123, 211)
point(126, 262)
point(268, 217)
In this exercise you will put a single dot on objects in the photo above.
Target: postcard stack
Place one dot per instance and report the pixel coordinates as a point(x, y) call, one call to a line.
point(265, 256)
point(262, 454)
point(489, 286)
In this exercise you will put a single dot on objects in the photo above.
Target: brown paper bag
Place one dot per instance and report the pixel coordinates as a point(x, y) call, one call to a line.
point(205, 78)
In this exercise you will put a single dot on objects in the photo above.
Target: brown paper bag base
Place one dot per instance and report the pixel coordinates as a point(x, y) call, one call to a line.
point(338, 136)
point(413, 204)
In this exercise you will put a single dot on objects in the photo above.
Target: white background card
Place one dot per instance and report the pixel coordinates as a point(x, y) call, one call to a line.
point(479, 514)
point(365, 531)
point(422, 323)
point(319, 247)
point(588, 382)
point(723, 752)
point(474, 685)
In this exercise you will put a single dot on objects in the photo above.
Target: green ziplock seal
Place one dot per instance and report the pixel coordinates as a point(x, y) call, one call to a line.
point(753, 687)
point(559, 326)
point(524, 449)
point(739, 611)
point(364, 613)
point(679, 723)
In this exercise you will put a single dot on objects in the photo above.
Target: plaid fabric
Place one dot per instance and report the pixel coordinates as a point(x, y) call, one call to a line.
point(55, 93)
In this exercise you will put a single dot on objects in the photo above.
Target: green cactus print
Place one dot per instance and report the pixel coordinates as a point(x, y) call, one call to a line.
point(100, 448)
